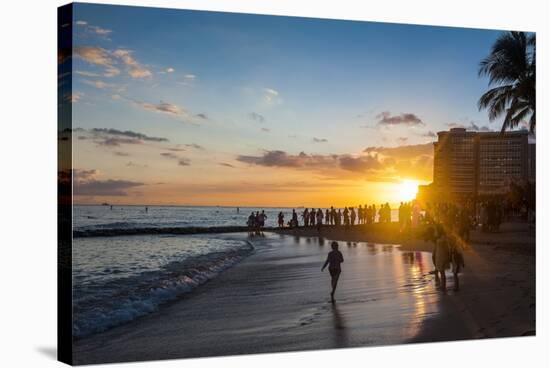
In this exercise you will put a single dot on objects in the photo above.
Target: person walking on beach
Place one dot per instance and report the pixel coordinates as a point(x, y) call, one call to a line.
point(442, 258)
point(457, 262)
point(327, 217)
point(334, 259)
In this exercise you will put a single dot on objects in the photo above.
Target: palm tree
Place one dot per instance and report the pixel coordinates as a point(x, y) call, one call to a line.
point(511, 69)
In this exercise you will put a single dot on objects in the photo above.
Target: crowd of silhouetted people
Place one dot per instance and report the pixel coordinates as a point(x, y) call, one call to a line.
point(256, 221)
point(408, 213)
point(487, 215)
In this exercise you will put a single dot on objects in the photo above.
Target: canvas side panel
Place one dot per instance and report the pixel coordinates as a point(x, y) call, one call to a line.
point(64, 183)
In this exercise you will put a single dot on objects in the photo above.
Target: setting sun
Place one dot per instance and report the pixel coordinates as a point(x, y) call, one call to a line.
point(407, 190)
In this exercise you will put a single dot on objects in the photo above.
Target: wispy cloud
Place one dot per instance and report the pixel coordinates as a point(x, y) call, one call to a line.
point(114, 138)
point(386, 118)
point(134, 68)
point(188, 80)
point(93, 29)
point(279, 158)
point(128, 133)
point(472, 126)
point(97, 83)
point(172, 110)
point(257, 117)
point(164, 108)
point(74, 97)
point(271, 96)
point(319, 140)
point(429, 134)
point(87, 183)
point(93, 55)
point(167, 70)
point(373, 164)
point(87, 74)
point(134, 164)
point(195, 146)
point(180, 160)
point(226, 165)
point(110, 60)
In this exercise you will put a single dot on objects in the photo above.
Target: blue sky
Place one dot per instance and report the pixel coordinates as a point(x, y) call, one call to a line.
point(243, 85)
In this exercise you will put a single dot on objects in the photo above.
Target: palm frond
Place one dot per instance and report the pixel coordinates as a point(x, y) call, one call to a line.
point(511, 68)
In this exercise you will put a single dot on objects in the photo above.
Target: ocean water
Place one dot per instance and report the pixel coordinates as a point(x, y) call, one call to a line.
point(117, 279)
point(103, 218)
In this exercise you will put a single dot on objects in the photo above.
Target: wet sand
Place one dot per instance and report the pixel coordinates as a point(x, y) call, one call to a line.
point(497, 296)
point(278, 300)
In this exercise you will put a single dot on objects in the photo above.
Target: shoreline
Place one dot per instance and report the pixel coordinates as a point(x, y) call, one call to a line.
point(379, 233)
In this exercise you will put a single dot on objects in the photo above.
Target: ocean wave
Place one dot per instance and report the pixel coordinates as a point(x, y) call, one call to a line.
point(86, 233)
point(99, 307)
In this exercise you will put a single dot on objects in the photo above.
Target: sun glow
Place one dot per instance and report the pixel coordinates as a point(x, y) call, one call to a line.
point(406, 190)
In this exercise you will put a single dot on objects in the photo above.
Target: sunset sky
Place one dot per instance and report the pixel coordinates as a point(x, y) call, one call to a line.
point(204, 108)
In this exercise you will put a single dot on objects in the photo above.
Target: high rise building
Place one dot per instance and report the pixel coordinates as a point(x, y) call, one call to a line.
point(470, 164)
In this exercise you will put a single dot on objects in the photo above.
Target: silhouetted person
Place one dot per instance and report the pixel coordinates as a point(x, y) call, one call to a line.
point(319, 216)
point(442, 258)
point(146, 209)
point(457, 263)
point(251, 222)
point(281, 219)
point(346, 216)
point(261, 219)
point(334, 259)
point(294, 221)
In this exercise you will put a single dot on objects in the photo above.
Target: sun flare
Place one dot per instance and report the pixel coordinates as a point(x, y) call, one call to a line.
point(407, 190)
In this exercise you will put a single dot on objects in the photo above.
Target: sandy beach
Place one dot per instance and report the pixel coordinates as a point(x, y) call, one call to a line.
point(277, 300)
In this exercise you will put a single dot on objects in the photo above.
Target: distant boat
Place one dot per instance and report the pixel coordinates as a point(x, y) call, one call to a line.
point(105, 204)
